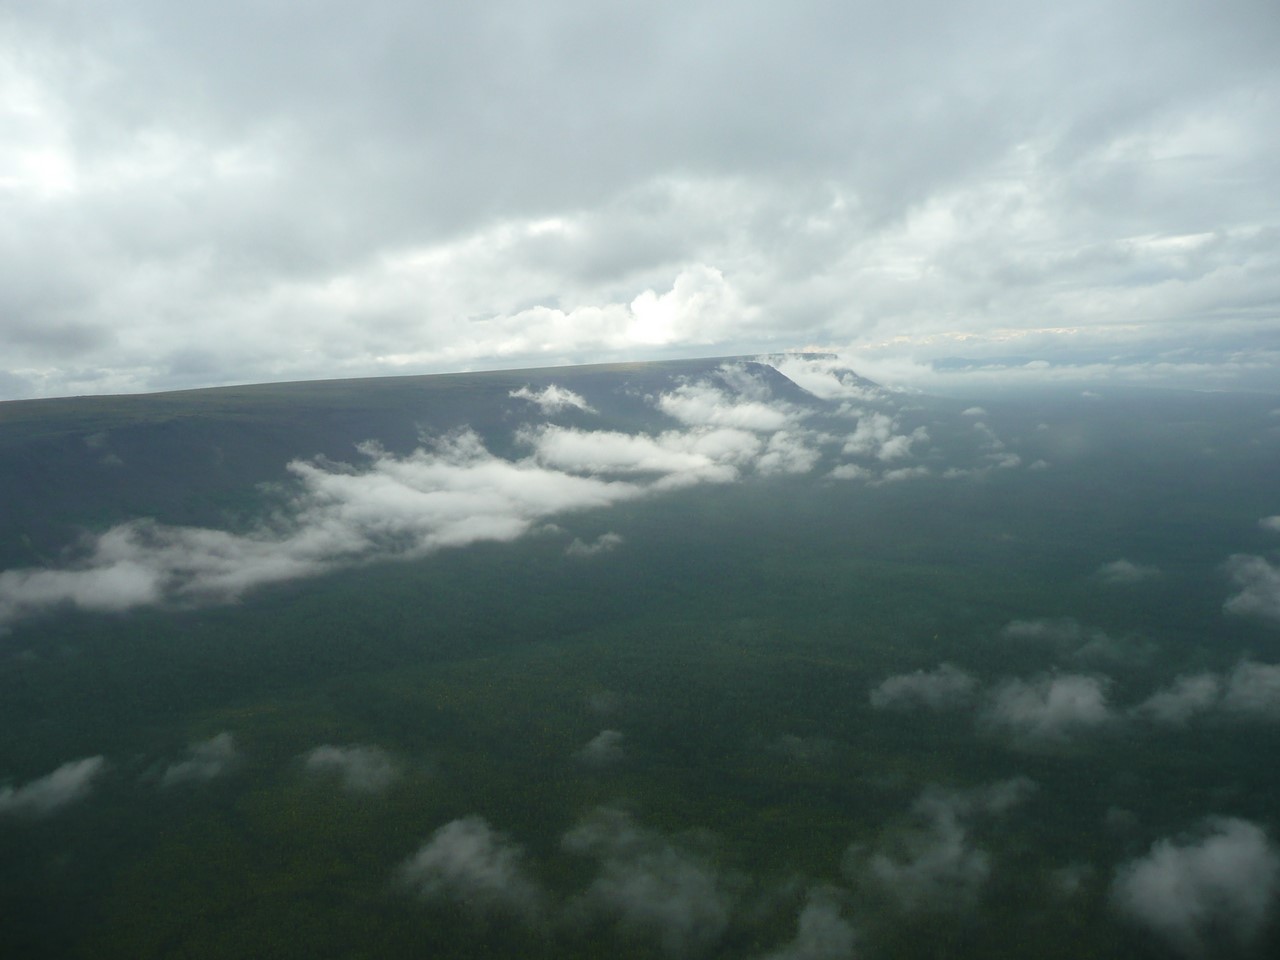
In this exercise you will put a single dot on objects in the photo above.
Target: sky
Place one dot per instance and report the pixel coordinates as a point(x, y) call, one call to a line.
point(201, 194)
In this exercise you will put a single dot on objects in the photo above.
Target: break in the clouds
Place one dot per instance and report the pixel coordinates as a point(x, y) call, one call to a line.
point(46, 795)
point(649, 886)
point(518, 185)
point(470, 864)
point(360, 769)
point(1205, 894)
point(206, 760)
point(937, 865)
point(943, 688)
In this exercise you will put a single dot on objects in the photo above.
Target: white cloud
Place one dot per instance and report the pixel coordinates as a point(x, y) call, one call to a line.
point(945, 687)
point(1259, 584)
point(208, 760)
point(973, 412)
point(360, 769)
point(1203, 895)
point(648, 886)
point(601, 544)
point(1125, 572)
point(1250, 691)
point(1048, 710)
point(1270, 523)
point(467, 862)
point(553, 399)
point(822, 933)
point(703, 405)
point(46, 795)
point(603, 750)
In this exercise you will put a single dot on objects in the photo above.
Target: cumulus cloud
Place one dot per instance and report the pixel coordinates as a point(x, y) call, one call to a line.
point(467, 862)
point(648, 886)
point(1259, 584)
point(822, 933)
point(1125, 572)
point(1250, 691)
point(1253, 689)
point(875, 435)
point(937, 866)
point(1049, 710)
point(1270, 523)
point(603, 750)
point(1184, 699)
point(945, 687)
point(1069, 637)
point(360, 769)
point(826, 377)
point(46, 795)
point(553, 399)
point(701, 404)
point(601, 544)
point(208, 760)
point(1205, 893)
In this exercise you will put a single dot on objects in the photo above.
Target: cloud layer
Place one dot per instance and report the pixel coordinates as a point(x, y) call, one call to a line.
point(516, 187)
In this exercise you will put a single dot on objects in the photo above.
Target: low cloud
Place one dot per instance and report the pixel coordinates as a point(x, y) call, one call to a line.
point(828, 378)
point(468, 863)
point(821, 932)
point(1049, 710)
point(602, 544)
point(208, 760)
point(553, 399)
point(943, 688)
point(937, 866)
point(1270, 523)
point(1184, 699)
point(68, 784)
point(702, 404)
point(1250, 691)
point(1259, 584)
point(360, 769)
point(1070, 638)
point(603, 750)
point(876, 435)
point(649, 887)
point(1123, 571)
point(1203, 894)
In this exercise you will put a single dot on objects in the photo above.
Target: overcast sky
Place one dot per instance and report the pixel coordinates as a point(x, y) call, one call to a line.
point(204, 193)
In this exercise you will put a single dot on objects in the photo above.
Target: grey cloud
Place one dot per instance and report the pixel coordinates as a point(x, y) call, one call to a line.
point(937, 866)
point(1250, 691)
point(1125, 572)
point(603, 750)
point(360, 769)
point(1187, 697)
point(943, 688)
point(467, 862)
point(1253, 689)
point(845, 175)
point(208, 760)
point(553, 399)
point(47, 795)
point(601, 544)
point(1259, 584)
point(1270, 523)
point(648, 886)
point(822, 933)
point(1049, 710)
point(1204, 894)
